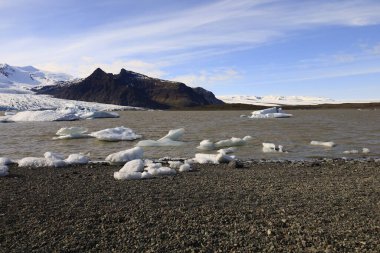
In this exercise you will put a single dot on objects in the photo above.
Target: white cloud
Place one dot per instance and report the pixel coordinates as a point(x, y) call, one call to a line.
point(207, 78)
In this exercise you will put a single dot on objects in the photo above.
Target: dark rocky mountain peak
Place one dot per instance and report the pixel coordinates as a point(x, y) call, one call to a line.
point(133, 89)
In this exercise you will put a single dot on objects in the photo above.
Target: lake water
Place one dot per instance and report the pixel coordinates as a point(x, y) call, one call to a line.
point(349, 129)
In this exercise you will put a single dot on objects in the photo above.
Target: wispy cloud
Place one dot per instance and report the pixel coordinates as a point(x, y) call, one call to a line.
point(217, 27)
point(207, 78)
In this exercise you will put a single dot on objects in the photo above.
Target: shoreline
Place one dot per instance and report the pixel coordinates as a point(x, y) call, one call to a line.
point(321, 205)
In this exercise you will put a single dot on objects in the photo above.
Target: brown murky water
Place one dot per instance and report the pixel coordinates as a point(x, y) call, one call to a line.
point(349, 129)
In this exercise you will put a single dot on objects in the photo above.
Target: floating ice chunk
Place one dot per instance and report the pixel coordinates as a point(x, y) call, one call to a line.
point(36, 162)
point(174, 134)
point(126, 155)
point(5, 161)
point(4, 170)
point(115, 134)
point(171, 139)
point(365, 151)
point(273, 112)
point(322, 143)
point(232, 142)
point(54, 156)
point(209, 145)
point(136, 165)
point(227, 150)
point(243, 116)
point(47, 115)
point(271, 147)
point(185, 167)
point(72, 133)
point(353, 151)
point(77, 159)
point(98, 115)
point(175, 164)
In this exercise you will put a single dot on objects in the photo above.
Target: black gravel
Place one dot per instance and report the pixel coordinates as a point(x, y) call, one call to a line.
point(325, 206)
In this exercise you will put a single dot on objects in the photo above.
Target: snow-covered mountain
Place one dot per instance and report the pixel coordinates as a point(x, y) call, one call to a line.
point(276, 100)
point(21, 79)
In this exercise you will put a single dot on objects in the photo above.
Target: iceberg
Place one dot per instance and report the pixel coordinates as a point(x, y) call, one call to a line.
point(126, 155)
point(329, 144)
point(273, 112)
point(116, 134)
point(171, 139)
point(98, 115)
point(71, 133)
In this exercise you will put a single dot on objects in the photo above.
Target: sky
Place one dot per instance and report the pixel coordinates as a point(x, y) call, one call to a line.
point(314, 48)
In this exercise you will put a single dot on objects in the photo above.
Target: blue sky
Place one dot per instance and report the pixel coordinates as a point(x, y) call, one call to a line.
point(231, 47)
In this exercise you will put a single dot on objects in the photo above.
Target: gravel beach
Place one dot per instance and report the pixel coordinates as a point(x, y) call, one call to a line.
point(319, 206)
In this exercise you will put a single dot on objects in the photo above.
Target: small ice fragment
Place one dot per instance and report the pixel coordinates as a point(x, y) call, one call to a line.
point(185, 167)
point(323, 143)
point(5, 161)
point(175, 164)
point(365, 151)
point(354, 151)
point(77, 159)
point(271, 147)
point(4, 170)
